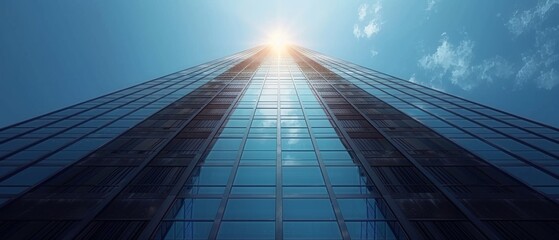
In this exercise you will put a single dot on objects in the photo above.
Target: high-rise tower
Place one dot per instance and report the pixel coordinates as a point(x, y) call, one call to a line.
point(279, 143)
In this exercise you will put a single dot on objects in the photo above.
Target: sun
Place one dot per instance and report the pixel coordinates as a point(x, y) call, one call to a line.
point(278, 40)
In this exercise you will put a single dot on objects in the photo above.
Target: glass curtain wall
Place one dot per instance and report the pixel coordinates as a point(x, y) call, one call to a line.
point(525, 149)
point(278, 170)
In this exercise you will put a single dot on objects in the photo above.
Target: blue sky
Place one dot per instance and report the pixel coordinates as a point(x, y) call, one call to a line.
point(503, 53)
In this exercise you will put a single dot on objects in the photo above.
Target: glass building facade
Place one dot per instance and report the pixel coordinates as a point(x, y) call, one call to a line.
point(279, 143)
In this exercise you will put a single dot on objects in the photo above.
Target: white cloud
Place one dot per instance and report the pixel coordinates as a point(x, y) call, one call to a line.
point(374, 53)
point(372, 13)
point(495, 68)
point(454, 63)
point(547, 41)
point(539, 63)
point(548, 80)
point(371, 28)
point(525, 73)
point(451, 60)
point(362, 11)
point(357, 31)
point(377, 7)
point(524, 20)
point(413, 79)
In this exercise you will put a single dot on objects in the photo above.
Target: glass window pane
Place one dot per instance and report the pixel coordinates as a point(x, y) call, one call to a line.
point(319, 123)
point(296, 144)
point(221, 155)
point(212, 175)
point(227, 144)
point(258, 155)
point(330, 144)
point(246, 230)
point(360, 209)
point(307, 209)
point(256, 176)
point(299, 158)
point(254, 190)
point(270, 98)
point(311, 230)
point(196, 189)
point(302, 176)
point(266, 112)
point(188, 230)
point(242, 111)
point(260, 144)
point(264, 123)
point(293, 123)
point(335, 155)
point(370, 230)
point(250, 209)
point(291, 112)
point(304, 190)
point(237, 123)
point(196, 209)
point(291, 155)
point(344, 175)
point(315, 111)
point(233, 131)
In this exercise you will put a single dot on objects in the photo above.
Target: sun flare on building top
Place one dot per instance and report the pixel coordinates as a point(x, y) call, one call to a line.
point(278, 40)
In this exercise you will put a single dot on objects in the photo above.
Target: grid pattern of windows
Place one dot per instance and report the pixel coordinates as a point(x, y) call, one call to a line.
point(278, 169)
point(525, 149)
point(33, 150)
point(278, 144)
point(114, 191)
point(442, 189)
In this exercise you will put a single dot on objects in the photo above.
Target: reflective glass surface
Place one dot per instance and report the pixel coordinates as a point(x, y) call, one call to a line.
point(280, 185)
point(279, 144)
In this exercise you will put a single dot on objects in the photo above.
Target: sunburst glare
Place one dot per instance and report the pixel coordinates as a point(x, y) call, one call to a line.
point(278, 40)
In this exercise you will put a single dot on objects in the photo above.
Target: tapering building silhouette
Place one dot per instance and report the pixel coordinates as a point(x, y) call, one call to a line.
point(280, 143)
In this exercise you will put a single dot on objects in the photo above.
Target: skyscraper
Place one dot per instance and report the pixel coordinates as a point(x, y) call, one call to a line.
point(279, 142)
